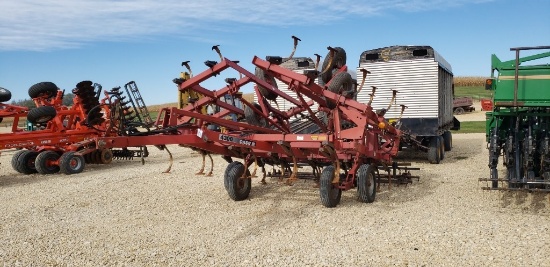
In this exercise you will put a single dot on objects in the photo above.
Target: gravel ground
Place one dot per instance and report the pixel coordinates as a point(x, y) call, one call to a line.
point(130, 214)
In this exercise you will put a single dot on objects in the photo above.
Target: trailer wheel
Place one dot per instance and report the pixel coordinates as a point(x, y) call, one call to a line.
point(237, 187)
point(105, 156)
point(41, 114)
point(341, 82)
point(366, 183)
point(45, 162)
point(70, 163)
point(459, 111)
point(5, 94)
point(252, 118)
point(24, 161)
point(15, 160)
point(448, 140)
point(330, 193)
point(338, 62)
point(47, 89)
point(434, 150)
point(441, 147)
point(262, 75)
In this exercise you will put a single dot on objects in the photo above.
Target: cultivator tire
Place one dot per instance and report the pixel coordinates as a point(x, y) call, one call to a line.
point(260, 73)
point(338, 61)
point(105, 156)
point(5, 94)
point(23, 161)
point(252, 118)
point(329, 192)
point(41, 115)
point(238, 188)
point(47, 89)
point(341, 82)
point(71, 163)
point(366, 183)
point(448, 140)
point(434, 150)
point(45, 162)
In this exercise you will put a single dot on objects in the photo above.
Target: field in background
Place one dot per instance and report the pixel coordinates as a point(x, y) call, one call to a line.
point(464, 86)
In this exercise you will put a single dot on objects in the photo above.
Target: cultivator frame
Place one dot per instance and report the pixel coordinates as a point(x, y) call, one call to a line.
point(351, 155)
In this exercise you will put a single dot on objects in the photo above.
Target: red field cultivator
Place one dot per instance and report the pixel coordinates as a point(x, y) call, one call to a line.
point(346, 144)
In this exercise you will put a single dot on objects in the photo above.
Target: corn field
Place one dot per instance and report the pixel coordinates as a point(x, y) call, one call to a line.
point(469, 81)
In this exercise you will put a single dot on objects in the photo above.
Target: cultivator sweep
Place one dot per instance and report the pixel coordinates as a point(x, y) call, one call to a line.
point(518, 127)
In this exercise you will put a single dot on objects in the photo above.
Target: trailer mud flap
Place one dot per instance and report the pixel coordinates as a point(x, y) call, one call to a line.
point(456, 124)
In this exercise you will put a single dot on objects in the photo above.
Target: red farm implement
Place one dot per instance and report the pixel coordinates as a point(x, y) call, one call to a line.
point(346, 143)
point(65, 137)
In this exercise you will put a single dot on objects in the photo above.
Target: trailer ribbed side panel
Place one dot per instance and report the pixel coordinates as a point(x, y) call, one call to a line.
point(285, 105)
point(415, 80)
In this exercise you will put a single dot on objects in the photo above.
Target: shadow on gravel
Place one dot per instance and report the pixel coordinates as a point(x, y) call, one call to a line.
point(22, 179)
point(535, 202)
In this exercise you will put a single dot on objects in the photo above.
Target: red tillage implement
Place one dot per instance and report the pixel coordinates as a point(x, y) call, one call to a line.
point(347, 138)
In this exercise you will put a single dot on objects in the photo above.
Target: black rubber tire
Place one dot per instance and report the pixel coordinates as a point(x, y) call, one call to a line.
point(252, 118)
point(70, 163)
point(238, 189)
point(15, 160)
point(448, 140)
point(330, 194)
point(341, 82)
point(43, 162)
point(24, 163)
point(441, 148)
point(105, 156)
point(48, 89)
point(338, 61)
point(5, 94)
point(434, 149)
point(260, 73)
point(41, 115)
point(458, 111)
point(366, 183)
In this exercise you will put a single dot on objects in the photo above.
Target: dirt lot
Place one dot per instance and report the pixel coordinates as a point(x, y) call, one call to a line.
point(130, 214)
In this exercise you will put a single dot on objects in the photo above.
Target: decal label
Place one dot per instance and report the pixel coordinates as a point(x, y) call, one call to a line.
point(236, 140)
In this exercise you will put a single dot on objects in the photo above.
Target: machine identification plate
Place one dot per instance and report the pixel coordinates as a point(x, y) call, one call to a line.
point(233, 139)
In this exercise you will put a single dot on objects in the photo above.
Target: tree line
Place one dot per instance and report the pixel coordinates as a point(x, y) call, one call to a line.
point(67, 101)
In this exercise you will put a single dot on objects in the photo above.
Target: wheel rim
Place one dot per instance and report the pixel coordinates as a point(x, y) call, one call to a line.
point(75, 163)
point(370, 183)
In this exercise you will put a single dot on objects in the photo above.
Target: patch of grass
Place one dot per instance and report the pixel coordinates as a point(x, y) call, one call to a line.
point(471, 127)
point(476, 92)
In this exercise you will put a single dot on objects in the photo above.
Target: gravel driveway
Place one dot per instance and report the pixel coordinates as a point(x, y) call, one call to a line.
point(130, 214)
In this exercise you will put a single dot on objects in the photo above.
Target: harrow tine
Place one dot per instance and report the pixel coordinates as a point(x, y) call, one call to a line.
point(217, 48)
point(296, 40)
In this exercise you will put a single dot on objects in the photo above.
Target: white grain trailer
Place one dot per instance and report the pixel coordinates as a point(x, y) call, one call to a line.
point(424, 83)
point(298, 65)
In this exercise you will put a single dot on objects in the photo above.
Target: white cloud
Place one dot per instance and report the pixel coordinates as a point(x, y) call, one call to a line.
point(56, 24)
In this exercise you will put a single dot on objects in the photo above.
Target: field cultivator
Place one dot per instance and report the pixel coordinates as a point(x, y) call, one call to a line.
point(346, 143)
point(65, 137)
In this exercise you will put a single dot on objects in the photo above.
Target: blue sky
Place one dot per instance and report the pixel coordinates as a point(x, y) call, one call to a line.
point(112, 42)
